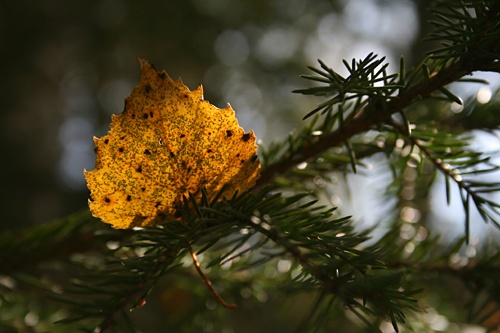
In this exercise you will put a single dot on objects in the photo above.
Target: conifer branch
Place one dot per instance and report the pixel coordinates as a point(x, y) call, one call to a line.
point(468, 163)
point(367, 118)
point(58, 240)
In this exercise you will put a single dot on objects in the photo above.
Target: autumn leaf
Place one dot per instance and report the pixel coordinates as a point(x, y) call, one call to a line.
point(168, 142)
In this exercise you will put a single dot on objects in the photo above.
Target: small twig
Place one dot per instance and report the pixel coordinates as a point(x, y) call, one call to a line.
point(208, 282)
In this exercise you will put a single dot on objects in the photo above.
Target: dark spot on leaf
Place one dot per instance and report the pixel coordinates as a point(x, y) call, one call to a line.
point(172, 154)
point(148, 88)
point(129, 198)
point(162, 75)
point(242, 161)
point(238, 155)
point(189, 169)
point(133, 116)
point(145, 116)
point(147, 152)
point(209, 133)
point(157, 204)
point(182, 135)
point(121, 149)
point(229, 133)
point(139, 169)
point(138, 220)
point(143, 189)
point(106, 141)
point(246, 137)
point(209, 150)
point(151, 114)
point(123, 137)
point(185, 96)
point(106, 199)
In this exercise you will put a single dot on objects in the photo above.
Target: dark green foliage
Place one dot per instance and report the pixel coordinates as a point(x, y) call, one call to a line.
point(364, 76)
point(466, 30)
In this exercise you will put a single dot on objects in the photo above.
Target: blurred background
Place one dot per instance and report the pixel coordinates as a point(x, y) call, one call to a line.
point(68, 65)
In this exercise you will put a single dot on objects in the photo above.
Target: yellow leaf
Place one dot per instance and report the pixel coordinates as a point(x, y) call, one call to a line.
point(167, 143)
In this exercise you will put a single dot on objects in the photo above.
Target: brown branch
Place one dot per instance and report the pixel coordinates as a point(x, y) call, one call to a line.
point(208, 283)
point(438, 163)
point(367, 118)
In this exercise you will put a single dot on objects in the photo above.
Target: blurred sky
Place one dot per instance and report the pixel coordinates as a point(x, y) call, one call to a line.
point(68, 65)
